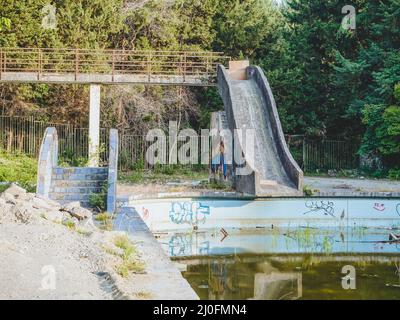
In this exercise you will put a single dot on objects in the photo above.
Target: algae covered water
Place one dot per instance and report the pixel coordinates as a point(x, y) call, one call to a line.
point(285, 277)
point(279, 249)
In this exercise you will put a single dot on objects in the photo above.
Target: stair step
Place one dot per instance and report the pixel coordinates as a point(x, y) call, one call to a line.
point(81, 177)
point(76, 190)
point(80, 170)
point(80, 173)
point(59, 196)
point(78, 183)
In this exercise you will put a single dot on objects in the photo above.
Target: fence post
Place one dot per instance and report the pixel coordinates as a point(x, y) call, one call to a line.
point(76, 64)
point(304, 154)
point(113, 65)
point(1, 62)
point(39, 63)
point(149, 66)
point(184, 66)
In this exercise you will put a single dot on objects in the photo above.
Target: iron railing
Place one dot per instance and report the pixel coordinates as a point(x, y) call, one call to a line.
point(114, 63)
point(24, 135)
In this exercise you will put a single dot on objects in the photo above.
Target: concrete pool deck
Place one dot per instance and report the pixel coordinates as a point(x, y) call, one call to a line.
point(162, 279)
point(320, 186)
point(347, 187)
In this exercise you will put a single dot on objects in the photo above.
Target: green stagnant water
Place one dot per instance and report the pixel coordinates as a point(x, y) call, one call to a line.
point(282, 277)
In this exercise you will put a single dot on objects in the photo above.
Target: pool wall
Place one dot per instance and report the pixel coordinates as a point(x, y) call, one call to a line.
point(206, 214)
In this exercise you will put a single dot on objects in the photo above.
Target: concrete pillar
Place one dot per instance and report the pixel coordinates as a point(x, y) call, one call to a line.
point(94, 125)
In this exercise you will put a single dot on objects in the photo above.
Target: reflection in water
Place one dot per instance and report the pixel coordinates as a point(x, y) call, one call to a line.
point(284, 277)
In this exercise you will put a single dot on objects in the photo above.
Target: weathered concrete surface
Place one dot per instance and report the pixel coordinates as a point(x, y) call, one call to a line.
point(322, 187)
point(93, 78)
point(249, 104)
point(48, 157)
point(162, 277)
point(112, 172)
point(94, 126)
point(345, 187)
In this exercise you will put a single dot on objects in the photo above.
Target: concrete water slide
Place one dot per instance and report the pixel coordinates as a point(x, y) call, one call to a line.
point(249, 104)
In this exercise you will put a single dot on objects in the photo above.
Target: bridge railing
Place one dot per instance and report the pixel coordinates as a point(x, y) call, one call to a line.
point(110, 62)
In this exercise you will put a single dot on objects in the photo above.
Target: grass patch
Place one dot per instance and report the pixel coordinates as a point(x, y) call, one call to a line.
point(143, 295)
point(162, 174)
point(105, 221)
point(18, 168)
point(130, 260)
point(215, 185)
point(308, 191)
point(102, 217)
point(83, 232)
point(69, 224)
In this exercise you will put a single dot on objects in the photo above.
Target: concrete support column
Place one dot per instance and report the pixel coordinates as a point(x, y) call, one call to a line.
point(94, 125)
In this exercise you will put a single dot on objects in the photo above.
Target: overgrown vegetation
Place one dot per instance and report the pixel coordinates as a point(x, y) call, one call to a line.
point(164, 174)
point(67, 158)
point(98, 200)
point(327, 81)
point(105, 220)
point(18, 168)
point(130, 259)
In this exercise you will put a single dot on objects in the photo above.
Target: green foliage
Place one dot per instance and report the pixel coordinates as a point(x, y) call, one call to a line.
point(326, 81)
point(382, 136)
point(5, 23)
point(67, 158)
point(130, 259)
point(105, 219)
point(18, 168)
point(396, 93)
point(394, 174)
point(308, 192)
point(98, 200)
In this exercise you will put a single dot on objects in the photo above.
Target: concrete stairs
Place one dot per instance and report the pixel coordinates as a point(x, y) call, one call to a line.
point(77, 184)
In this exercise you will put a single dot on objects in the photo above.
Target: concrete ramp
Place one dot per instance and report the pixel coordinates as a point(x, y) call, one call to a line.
point(249, 104)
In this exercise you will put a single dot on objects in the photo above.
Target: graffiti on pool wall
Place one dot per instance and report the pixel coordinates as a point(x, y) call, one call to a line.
point(181, 245)
point(325, 207)
point(145, 213)
point(379, 207)
point(188, 212)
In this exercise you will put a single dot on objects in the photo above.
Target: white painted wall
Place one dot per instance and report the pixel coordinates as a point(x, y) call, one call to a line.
point(94, 125)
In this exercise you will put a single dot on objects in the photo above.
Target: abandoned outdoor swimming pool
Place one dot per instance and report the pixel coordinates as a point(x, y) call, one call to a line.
point(292, 248)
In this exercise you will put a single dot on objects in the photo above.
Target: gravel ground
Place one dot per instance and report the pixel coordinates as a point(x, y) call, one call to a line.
point(353, 187)
point(48, 261)
point(321, 187)
point(47, 252)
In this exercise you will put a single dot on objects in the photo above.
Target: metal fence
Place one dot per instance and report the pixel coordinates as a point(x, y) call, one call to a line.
point(24, 135)
point(329, 155)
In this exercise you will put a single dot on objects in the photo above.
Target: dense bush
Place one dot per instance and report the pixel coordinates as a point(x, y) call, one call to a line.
point(19, 169)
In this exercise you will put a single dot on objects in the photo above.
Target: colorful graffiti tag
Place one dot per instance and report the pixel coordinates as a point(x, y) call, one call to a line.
point(325, 207)
point(188, 212)
point(379, 207)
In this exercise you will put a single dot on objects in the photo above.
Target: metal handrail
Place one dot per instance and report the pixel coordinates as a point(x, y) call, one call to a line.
point(110, 61)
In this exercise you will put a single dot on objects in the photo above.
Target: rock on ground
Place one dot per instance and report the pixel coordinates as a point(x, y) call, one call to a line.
point(43, 257)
